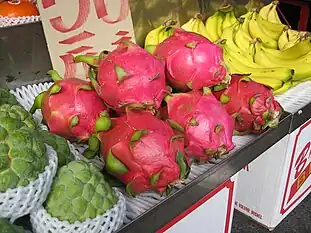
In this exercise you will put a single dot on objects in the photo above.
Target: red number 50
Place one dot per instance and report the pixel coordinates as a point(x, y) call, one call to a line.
point(83, 13)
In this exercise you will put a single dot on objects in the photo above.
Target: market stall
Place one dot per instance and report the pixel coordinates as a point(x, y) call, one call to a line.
point(209, 190)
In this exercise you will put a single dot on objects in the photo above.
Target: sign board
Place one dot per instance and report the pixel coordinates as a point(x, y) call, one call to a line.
point(213, 213)
point(298, 181)
point(278, 180)
point(75, 27)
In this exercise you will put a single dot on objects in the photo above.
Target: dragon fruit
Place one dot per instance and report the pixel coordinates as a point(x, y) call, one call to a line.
point(252, 105)
point(128, 76)
point(207, 127)
point(73, 110)
point(192, 61)
point(144, 153)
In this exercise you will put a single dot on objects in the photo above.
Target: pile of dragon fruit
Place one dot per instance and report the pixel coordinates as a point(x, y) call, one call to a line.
point(150, 116)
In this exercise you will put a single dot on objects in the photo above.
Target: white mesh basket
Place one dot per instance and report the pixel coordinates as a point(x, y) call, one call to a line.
point(43, 222)
point(20, 201)
point(12, 21)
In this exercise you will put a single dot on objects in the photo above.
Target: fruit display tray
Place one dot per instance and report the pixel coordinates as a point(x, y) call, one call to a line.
point(149, 211)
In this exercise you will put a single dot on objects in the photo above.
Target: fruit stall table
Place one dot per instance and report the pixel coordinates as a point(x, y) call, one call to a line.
point(21, 70)
point(23, 66)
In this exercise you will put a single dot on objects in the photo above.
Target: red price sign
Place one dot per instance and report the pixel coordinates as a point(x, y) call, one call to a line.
point(83, 27)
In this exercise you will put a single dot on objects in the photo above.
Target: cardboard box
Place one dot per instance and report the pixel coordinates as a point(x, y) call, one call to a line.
point(213, 213)
point(278, 180)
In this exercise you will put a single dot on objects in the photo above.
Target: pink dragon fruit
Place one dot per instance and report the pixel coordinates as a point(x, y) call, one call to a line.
point(144, 153)
point(192, 61)
point(73, 110)
point(128, 76)
point(252, 105)
point(204, 121)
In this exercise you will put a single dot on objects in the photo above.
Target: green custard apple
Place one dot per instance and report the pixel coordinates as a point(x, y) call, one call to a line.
point(22, 156)
point(59, 144)
point(6, 227)
point(14, 117)
point(6, 97)
point(79, 192)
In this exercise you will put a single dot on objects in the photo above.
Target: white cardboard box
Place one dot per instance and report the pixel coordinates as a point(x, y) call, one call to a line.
point(277, 181)
point(213, 213)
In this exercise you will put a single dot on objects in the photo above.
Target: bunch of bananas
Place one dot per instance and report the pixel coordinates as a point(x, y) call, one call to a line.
point(158, 35)
point(260, 45)
point(223, 18)
point(196, 25)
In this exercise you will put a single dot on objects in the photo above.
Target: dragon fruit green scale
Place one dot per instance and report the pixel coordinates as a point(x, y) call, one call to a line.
point(80, 192)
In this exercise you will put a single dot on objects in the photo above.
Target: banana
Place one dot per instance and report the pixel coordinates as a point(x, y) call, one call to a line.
point(158, 35)
point(273, 14)
point(245, 26)
point(270, 82)
point(302, 70)
point(239, 56)
point(283, 89)
point(196, 25)
point(229, 16)
point(276, 73)
point(264, 11)
point(153, 37)
point(241, 39)
point(283, 39)
point(257, 32)
point(233, 17)
point(228, 35)
point(271, 29)
point(188, 26)
point(295, 52)
point(211, 26)
point(220, 21)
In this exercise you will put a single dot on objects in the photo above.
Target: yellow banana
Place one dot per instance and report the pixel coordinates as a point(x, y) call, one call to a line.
point(245, 26)
point(229, 17)
point(153, 37)
point(276, 73)
point(242, 39)
point(158, 35)
point(211, 26)
point(302, 70)
point(220, 21)
point(283, 39)
point(257, 32)
point(270, 82)
point(295, 52)
point(228, 35)
point(271, 29)
point(188, 26)
point(273, 14)
point(264, 11)
point(284, 88)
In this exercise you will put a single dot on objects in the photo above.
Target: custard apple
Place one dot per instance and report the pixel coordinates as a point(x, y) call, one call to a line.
point(79, 192)
point(16, 117)
point(22, 156)
point(6, 97)
point(59, 144)
point(6, 227)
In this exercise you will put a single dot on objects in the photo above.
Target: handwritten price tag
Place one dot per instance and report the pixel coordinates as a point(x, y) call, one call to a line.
point(74, 27)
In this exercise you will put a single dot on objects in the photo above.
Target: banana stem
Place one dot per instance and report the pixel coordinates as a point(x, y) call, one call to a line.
point(170, 23)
